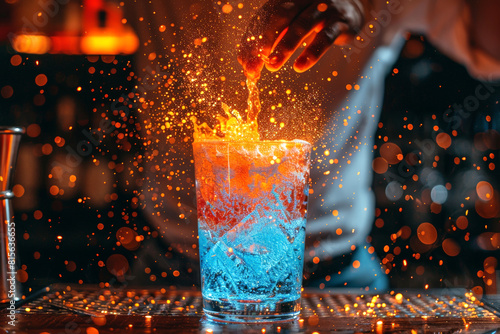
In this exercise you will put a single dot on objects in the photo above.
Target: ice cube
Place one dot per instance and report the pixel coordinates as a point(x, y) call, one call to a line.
point(293, 228)
point(216, 279)
point(255, 255)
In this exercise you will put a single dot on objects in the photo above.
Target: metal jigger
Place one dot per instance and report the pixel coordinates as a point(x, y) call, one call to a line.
point(9, 145)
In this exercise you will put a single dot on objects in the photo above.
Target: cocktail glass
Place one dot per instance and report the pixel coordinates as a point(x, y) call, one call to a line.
point(251, 201)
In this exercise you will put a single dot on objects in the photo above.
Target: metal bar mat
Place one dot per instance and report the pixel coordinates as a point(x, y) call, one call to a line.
point(154, 302)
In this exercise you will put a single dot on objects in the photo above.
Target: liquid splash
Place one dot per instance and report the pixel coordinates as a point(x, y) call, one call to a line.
point(232, 126)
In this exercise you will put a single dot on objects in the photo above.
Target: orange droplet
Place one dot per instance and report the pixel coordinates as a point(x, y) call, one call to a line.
point(356, 264)
point(99, 320)
point(54, 190)
point(41, 80)
point(489, 209)
point(450, 247)
point(462, 222)
point(16, 60)
point(322, 7)
point(490, 264)
point(484, 190)
point(478, 291)
point(22, 275)
point(18, 190)
point(380, 165)
point(33, 130)
point(391, 152)
point(38, 214)
point(227, 8)
point(117, 265)
point(427, 233)
point(7, 92)
point(443, 140)
point(47, 149)
point(92, 330)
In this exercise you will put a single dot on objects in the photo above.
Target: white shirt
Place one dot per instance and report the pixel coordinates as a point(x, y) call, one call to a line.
point(349, 196)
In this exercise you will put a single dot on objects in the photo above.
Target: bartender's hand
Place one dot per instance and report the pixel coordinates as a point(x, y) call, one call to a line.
point(281, 26)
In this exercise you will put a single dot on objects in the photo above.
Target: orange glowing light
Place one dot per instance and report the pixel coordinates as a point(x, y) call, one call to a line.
point(462, 222)
point(380, 165)
point(484, 190)
point(117, 265)
point(391, 153)
point(41, 80)
point(34, 44)
point(107, 42)
point(7, 91)
point(22, 275)
point(443, 140)
point(38, 215)
point(54, 190)
point(322, 7)
point(46, 149)
point(478, 291)
point(227, 8)
point(489, 209)
point(18, 190)
point(427, 233)
point(450, 247)
point(16, 60)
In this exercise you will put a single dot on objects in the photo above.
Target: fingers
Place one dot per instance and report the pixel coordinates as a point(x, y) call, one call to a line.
point(264, 30)
point(301, 27)
point(318, 47)
point(281, 26)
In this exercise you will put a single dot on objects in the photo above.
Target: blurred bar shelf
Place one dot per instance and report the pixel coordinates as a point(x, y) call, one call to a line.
point(91, 309)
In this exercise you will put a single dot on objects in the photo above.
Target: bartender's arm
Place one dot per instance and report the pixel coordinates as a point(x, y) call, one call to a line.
point(485, 34)
point(333, 21)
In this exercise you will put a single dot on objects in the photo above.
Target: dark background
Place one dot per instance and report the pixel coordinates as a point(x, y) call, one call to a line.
point(68, 228)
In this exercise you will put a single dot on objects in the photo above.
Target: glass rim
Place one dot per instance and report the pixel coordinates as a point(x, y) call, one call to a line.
point(11, 130)
point(246, 142)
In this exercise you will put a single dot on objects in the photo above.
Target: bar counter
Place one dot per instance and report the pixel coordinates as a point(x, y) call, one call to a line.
point(93, 310)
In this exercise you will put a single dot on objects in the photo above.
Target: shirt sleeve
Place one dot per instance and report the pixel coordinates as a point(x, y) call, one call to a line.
point(447, 24)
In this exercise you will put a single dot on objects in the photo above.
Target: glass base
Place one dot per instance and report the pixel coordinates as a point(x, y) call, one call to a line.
point(238, 311)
